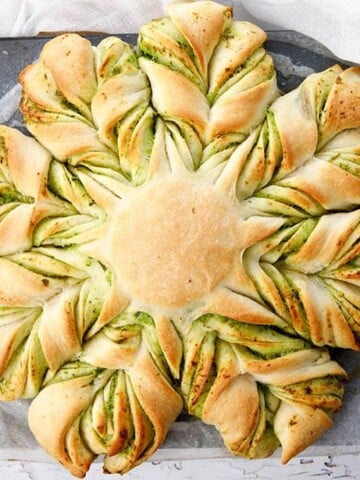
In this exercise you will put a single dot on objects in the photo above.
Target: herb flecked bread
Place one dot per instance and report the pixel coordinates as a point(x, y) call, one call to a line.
point(178, 235)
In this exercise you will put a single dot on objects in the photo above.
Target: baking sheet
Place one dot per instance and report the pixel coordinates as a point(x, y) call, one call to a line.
point(296, 56)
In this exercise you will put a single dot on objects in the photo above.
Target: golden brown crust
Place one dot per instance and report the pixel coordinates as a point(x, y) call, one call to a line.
point(294, 367)
point(302, 110)
point(62, 55)
point(60, 139)
point(103, 352)
point(189, 104)
point(59, 316)
point(326, 322)
point(161, 404)
point(342, 109)
point(60, 404)
point(329, 185)
point(107, 110)
point(27, 164)
point(29, 176)
point(293, 112)
point(201, 24)
point(28, 288)
point(299, 426)
point(225, 114)
point(243, 309)
point(234, 49)
point(232, 406)
point(170, 343)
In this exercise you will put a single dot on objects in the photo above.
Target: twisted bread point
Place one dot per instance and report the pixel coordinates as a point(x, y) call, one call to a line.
point(223, 78)
point(292, 167)
point(105, 114)
point(309, 274)
point(259, 387)
point(52, 300)
point(25, 198)
point(123, 411)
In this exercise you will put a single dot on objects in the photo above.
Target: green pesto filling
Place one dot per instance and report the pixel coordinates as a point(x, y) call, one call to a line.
point(164, 57)
point(9, 195)
point(265, 342)
point(73, 370)
point(244, 69)
point(325, 392)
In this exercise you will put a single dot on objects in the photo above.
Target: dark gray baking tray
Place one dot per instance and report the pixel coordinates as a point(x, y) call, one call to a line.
point(296, 56)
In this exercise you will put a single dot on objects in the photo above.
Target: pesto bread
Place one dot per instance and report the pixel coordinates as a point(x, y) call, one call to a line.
point(177, 235)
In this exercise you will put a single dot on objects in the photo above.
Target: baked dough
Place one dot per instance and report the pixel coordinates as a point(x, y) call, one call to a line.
point(178, 235)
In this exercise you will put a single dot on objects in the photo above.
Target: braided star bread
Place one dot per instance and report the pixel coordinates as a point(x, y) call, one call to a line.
point(178, 235)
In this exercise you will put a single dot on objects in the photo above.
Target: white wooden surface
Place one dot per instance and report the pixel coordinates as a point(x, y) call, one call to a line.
point(345, 467)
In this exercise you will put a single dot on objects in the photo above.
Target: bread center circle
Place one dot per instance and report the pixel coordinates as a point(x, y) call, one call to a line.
point(173, 242)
